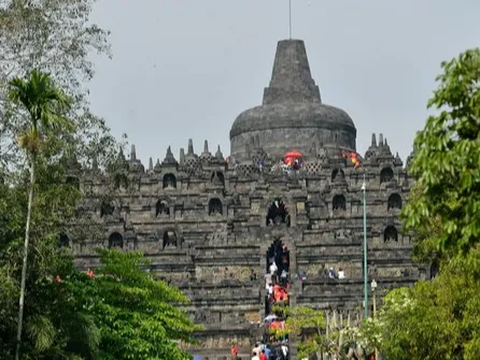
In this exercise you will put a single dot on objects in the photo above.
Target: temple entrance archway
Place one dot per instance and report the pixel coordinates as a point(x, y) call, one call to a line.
point(279, 253)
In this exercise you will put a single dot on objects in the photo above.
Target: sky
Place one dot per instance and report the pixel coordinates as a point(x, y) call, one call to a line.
point(187, 68)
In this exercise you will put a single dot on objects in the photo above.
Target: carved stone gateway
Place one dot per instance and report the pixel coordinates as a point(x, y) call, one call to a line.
point(208, 224)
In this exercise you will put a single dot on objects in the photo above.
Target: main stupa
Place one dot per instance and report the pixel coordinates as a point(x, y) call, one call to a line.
point(292, 115)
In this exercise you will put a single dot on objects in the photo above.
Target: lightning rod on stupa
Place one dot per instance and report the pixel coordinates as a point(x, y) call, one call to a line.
point(290, 19)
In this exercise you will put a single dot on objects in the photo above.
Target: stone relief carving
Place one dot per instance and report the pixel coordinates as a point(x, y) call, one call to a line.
point(205, 316)
point(343, 234)
point(216, 239)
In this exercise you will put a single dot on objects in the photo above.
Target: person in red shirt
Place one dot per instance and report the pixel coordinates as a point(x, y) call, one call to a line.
point(263, 356)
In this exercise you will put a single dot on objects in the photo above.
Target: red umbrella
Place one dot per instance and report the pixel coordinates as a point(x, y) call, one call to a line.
point(293, 154)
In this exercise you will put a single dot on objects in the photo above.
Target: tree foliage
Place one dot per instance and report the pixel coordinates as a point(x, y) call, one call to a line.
point(55, 37)
point(123, 313)
point(439, 319)
point(138, 316)
point(436, 319)
point(316, 334)
point(447, 161)
point(48, 323)
point(44, 103)
point(309, 327)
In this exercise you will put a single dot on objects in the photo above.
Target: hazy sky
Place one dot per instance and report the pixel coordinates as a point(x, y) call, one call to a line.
point(186, 68)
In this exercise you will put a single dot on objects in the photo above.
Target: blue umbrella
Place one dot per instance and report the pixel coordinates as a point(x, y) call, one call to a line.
point(197, 357)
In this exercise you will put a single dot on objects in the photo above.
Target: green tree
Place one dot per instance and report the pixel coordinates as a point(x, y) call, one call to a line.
point(45, 104)
point(316, 334)
point(54, 328)
point(446, 198)
point(438, 319)
point(139, 317)
point(57, 37)
point(122, 313)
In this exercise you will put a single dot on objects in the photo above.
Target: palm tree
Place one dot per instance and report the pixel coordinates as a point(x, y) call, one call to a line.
point(44, 104)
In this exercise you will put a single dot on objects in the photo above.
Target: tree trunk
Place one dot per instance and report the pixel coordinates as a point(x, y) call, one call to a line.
point(25, 258)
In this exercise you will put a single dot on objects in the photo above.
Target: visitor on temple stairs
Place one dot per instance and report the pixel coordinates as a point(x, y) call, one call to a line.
point(341, 274)
point(274, 271)
point(285, 350)
point(331, 273)
point(285, 263)
point(267, 352)
point(255, 356)
point(269, 289)
point(234, 350)
point(257, 349)
point(273, 268)
point(284, 277)
point(268, 280)
point(263, 356)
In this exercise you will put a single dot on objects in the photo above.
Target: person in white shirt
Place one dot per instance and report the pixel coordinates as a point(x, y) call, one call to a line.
point(273, 268)
point(283, 277)
point(255, 356)
point(269, 289)
point(268, 280)
point(341, 274)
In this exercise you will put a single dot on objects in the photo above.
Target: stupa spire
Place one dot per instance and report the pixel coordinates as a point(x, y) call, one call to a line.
point(190, 147)
point(291, 77)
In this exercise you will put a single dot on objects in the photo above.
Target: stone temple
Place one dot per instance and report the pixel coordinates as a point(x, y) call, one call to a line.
point(207, 222)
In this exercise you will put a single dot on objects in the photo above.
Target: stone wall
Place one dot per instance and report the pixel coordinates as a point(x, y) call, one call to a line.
point(209, 236)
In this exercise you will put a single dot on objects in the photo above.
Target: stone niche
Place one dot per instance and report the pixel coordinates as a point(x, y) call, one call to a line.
point(217, 274)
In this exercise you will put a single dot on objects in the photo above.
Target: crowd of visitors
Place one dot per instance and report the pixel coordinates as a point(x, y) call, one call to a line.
point(274, 344)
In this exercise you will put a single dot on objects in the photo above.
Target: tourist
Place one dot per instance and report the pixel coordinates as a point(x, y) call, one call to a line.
point(273, 268)
point(263, 356)
point(268, 280)
point(255, 356)
point(267, 352)
point(331, 273)
point(285, 350)
point(269, 289)
point(341, 274)
point(273, 271)
point(256, 349)
point(284, 277)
